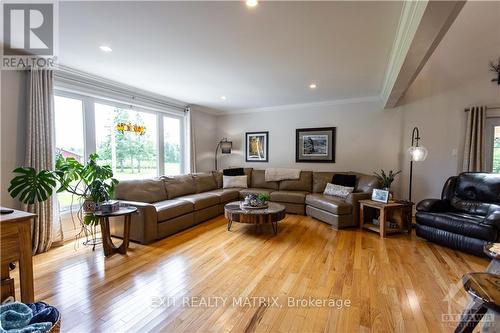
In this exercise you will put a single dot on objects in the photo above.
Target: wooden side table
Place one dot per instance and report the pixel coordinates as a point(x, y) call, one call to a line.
point(397, 210)
point(15, 244)
point(107, 243)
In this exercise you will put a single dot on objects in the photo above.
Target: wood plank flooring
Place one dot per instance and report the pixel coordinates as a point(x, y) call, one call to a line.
point(395, 284)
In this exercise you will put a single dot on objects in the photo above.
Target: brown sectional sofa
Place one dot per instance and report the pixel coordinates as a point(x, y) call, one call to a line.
point(167, 205)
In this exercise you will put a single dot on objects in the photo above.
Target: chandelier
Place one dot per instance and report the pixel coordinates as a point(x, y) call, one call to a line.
point(134, 128)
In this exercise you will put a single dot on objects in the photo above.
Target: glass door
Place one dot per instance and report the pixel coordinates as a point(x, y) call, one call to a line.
point(493, 144)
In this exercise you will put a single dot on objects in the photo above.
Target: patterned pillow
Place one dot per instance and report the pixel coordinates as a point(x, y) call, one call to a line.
point(338, 190)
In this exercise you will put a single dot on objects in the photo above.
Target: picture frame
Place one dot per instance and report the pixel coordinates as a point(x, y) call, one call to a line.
point(315, 145)
point(380, 195)
point(257, 146)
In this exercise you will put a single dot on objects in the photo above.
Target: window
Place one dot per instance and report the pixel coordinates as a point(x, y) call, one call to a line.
point(172, 145)
point(69, 136)
point(131, 152)
point(150, 142)
point(493, 144)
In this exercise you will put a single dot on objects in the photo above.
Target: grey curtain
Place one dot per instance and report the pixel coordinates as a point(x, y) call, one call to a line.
point(40, 148)
point(474, 159)
point(192, 141)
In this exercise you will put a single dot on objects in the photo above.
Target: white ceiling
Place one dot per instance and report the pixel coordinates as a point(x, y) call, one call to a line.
point(266, 56)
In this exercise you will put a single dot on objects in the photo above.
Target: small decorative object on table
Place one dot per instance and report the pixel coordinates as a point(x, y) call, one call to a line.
point(385, 180)
point(255, 201)
point(109, 206)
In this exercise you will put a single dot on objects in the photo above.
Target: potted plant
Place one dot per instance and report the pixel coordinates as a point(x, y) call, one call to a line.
point(91, 184)
point(386, 179)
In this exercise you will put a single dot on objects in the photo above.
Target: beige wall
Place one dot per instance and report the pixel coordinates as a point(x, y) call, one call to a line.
point(12, 123)
point(455, 78)
point(368, 137)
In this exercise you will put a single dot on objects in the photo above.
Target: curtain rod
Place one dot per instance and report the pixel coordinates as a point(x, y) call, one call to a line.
point(488, 108)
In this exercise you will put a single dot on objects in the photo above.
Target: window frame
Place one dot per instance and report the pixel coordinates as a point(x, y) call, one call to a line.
point(89, 132)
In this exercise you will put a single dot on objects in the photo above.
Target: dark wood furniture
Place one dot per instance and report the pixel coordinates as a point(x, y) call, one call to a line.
point(107, 243)
point(15, 245)
point(477, 307)
point(396, 212)
point(272, 214)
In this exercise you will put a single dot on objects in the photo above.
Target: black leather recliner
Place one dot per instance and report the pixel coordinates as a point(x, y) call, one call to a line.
point(466, 217)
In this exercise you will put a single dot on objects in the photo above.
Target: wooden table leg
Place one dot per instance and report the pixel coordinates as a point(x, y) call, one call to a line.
point(229, 222)
point(107, 243)
point(126, 234)
point(382, 222)
point(361, 216)
point(26, 264)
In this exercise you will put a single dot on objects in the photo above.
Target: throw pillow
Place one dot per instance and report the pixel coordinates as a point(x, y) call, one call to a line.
point(344, 180)
point(233, 172)
point(338, 190)
point(234, 181)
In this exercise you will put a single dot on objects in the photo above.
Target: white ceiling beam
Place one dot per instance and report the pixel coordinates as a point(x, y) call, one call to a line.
point(422, 26)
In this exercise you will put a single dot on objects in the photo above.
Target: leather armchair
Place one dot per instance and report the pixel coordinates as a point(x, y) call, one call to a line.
point(466, 217)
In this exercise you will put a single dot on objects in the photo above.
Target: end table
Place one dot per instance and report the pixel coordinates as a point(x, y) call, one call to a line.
point(398, 210)
point(107, 243)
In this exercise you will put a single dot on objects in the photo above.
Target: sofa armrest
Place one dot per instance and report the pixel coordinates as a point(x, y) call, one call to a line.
point(353, 199)
point(493, 218)
point(433, 205)
point(144, 224)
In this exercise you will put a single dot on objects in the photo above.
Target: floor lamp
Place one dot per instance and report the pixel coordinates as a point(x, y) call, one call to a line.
point(225, 147)
point(417, 154)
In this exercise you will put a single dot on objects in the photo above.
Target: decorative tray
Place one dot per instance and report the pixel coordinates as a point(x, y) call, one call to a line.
point(253, 207)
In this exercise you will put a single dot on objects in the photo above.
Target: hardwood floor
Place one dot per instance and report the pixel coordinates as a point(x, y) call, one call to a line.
point(395, 284)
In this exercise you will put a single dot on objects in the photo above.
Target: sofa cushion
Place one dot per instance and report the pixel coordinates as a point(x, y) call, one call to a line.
point(472, 206)
point(338, 190)
point(320, 179)
point(484, 187)
point(202, 200)
point(168, 209)
point(141, 190)
point(328, 203)
point(179, 185)
point(258, 180)
point(218, 178)
point(226, 194)
point(235, 181)
point(244, 192)
point(458, 223)
point(298, 197)
point(233, 172)
point(204, 182)
point(365, 183)
point(304, 183)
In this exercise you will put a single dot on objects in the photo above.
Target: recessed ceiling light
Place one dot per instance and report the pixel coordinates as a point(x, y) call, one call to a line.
point(105, 48)
point(252, 3)
point(223, 98)
point(313, 86)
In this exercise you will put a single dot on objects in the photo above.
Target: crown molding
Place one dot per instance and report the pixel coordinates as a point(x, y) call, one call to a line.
point(409, 21)
point(287, 107)
point(68, 76)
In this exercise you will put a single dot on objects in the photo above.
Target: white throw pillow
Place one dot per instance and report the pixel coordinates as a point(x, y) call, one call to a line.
point(234, 181)
point(338, 190)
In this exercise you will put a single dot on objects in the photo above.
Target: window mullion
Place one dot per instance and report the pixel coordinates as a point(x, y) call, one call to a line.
point(89, 127)
point(161, 144)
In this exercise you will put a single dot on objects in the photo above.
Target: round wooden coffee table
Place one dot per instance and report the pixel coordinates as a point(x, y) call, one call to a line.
point(272, 214)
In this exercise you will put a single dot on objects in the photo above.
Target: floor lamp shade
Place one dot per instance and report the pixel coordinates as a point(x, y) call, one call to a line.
point(418, 154)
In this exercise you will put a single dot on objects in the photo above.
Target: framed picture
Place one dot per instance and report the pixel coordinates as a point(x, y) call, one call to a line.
point(256, 146)
point(315, 145)
point(380, 195)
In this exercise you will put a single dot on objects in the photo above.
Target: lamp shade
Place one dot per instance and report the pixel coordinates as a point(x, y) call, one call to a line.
point(226, 147)
point(418, 153)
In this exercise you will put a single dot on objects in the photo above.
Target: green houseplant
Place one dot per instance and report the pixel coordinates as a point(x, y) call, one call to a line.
point(386, 179)
point(88, 183)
